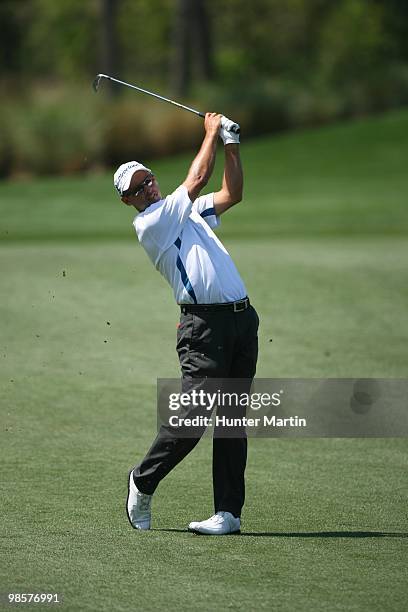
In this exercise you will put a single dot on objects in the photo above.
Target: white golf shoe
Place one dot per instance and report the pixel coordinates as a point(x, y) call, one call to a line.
point(221, 523)
point(138, 506)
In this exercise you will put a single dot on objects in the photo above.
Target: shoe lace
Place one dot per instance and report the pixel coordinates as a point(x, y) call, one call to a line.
point(215, 518)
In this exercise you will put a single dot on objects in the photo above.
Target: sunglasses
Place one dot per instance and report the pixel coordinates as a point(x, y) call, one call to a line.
point(148, 181)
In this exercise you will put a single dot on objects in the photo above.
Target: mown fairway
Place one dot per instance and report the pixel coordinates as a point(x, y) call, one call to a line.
point(321, 241)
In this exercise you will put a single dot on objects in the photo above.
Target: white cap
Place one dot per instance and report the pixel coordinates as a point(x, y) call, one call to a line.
point(123, 175)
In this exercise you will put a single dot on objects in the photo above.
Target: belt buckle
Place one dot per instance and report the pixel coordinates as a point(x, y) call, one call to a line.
point(240, 305)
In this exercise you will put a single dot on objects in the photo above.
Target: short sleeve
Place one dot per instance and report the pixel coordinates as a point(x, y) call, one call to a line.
point(204, 205)
point(160, 224)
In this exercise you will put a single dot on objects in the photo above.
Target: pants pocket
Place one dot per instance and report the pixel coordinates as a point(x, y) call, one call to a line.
point(185, 330)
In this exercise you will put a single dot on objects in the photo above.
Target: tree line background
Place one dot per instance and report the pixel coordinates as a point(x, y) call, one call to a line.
point(269, 64)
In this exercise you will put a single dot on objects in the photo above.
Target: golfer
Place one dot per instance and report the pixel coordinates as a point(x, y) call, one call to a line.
point(217, 334)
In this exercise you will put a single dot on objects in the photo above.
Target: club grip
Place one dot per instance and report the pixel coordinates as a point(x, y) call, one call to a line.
point(229, 125)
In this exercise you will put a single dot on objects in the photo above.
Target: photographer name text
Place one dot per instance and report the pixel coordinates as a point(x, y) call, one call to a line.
point(223, 421)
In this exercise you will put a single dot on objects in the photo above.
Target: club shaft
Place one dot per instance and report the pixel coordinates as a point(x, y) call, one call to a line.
point(155, 95)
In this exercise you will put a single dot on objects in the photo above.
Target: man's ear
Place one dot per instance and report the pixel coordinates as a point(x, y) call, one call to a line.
point(125, 200)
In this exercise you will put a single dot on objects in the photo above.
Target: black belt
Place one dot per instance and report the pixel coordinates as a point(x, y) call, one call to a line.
point(238, 306)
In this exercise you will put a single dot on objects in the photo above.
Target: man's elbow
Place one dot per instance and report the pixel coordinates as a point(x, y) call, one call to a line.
point(200, 181)
point(235, 198)
point(228, 197)
point(203, 181)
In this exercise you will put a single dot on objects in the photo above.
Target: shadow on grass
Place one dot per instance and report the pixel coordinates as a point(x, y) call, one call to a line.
point(327, 534)
point(311, 534)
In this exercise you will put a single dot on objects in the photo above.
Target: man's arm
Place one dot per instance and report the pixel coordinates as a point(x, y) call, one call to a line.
point(232, 182)
point(203, 164)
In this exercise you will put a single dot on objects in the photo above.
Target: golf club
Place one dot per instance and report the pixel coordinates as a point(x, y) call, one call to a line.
point(226, 123)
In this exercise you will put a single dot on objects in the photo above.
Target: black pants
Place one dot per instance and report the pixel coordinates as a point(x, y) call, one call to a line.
point(216, 344)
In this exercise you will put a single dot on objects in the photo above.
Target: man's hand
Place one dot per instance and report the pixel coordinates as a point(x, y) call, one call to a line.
point(229, 132)
point(212, 123)
point(229, 125)
point(228, 137)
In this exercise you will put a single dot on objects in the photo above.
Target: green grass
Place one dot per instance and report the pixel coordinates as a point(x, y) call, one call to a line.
point(321, 242)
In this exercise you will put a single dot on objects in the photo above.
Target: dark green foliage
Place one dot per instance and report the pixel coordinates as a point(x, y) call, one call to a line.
point(275, 64)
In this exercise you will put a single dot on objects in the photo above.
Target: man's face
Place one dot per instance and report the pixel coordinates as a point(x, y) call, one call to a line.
point(143, 190)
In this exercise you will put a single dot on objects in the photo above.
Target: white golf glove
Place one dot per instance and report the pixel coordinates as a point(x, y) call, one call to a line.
point(227, 135)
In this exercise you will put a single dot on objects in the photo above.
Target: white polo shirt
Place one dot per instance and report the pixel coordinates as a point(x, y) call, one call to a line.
point(178, 238)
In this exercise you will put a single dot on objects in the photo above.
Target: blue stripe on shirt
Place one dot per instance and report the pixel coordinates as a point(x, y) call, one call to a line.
point(184, 278)
point(208, 212)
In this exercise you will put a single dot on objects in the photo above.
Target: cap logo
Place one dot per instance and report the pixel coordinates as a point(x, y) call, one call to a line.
point(125, 170)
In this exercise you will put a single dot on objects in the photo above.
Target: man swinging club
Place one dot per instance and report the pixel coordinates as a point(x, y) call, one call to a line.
point(217, 335)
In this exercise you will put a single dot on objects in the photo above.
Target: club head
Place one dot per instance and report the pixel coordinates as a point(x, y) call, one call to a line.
point(97, 80)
